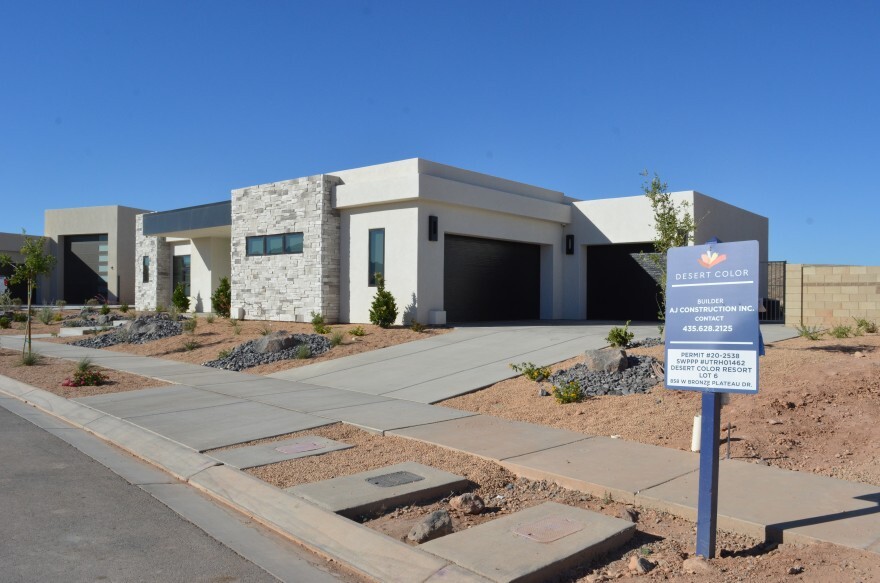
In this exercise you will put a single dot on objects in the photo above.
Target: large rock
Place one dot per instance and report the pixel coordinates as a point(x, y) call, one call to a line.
point(434, 525)
point(468, 503)
point(274, 342)
point(606, 360)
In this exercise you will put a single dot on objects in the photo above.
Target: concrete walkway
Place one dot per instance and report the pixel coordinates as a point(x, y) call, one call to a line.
point(210, 408)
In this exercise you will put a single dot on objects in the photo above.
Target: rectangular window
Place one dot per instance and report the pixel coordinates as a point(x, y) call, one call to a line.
point(274, 244)
point(293, 243)
point(255, 245)
point(180, 273)
point(377, 255)
point(145, 268)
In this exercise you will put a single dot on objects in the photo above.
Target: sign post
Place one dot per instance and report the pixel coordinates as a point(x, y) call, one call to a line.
point(712, 345)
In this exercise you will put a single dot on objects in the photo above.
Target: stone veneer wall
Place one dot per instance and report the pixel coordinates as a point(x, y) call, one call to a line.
point(290, 286)
point(158, 290)
point(828, 295)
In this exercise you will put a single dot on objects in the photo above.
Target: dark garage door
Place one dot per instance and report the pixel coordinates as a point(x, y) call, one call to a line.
point(85, 267)
point(490, 280)
point(621, 282)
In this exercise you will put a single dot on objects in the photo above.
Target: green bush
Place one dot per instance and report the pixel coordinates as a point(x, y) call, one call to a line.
point(60, 304)
point(265, 330)
point(191, 345)
point(841, 331)
point(189, 326)
point(236, 327)
point(221, 299)
point(4, 323)
point(416, 326)
point(303, 351)
point(336, 338)
point(865, 325)
point(357, 331)
point(124, 308)
point(46, 315)
point(568, 393)
point(532, 372)
point(19, 317)
point(105, 309)
point(809, 332)
point(383, 311)
point(180, 299)
point(224, 354)
point(160, 308)
point(620, 337)
point(83, 364)
point(318, 323)
point(85, 375)
point(30, 358)
point(209, 318)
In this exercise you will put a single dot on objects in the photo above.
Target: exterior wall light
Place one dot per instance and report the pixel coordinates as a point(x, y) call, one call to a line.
point(433, 228)
point(569, 244)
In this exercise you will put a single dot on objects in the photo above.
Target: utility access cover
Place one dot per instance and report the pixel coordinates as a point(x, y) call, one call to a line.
point(549, 529)
point(394, 479)
point(299, 447)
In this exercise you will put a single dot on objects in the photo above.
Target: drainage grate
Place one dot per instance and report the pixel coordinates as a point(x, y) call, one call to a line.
point(549, 529)
point(394, 479)
point(299, 447)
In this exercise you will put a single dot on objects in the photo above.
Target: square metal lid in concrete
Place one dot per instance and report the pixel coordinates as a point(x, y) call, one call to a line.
point(534, 544)
point(372, 491)
point(277, 451)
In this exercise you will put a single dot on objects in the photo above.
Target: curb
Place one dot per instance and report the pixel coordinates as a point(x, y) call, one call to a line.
point(358, 548)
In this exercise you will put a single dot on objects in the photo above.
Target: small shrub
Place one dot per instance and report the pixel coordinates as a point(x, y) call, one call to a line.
point(92, 302)
point(105, 309)
point(209, 318)
point(357, 331)
point(224, 354)
point(124, 308)
point(865, 325)
point(620, 337)
point(841, 331)
point(16, 303)
point(383, 311)
point(236, 327)
point(532, 372)
point(30, 358)
point(303, 351)
point(179, 298)
point(174, 313)
point(19, 317)
point(221, 299)
point(160, 308)
point(57, 317)
point(46, 315)
point(570, 392)
point(191, 345)
point(189, 326)
point(124, 334)
point(809, 332)
point(318, 324)
point(4, 323)
point(416, 326)
point(336, 338)
point(88, 377)
point(83, 365)
point(265, 330)
point(60, 304)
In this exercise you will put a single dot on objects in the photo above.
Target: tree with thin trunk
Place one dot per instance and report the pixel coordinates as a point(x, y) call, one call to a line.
point(37, 262)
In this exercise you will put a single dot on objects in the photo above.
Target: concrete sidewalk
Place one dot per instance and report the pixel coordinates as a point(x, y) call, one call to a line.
point(228, 408)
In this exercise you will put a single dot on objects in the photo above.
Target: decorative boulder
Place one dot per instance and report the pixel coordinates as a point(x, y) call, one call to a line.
point(274, 342)
point(468, 503)
point(434, 525)
point(606, 360)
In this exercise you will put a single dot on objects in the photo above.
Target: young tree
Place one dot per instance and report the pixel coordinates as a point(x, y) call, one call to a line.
point(37, 262)
point(179, 298)
point(221, 299)
point(383, 312)
point(673, 227)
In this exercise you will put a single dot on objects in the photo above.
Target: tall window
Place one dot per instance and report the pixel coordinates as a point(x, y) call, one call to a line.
point(145, 269)
point(377, 255)
point(180, 272)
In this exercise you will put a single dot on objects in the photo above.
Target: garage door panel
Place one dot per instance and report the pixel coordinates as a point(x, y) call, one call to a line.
point(490, 280)
point(622, 282)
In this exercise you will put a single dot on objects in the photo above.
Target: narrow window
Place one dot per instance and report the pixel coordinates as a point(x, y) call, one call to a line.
point(274, 244)
point(145, 268)
point(255, 245)
point(293, 243)
point(180, 273)
point(377, 254)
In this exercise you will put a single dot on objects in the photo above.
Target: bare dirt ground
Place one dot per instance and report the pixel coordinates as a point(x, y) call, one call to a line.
point(663, 539)
point(815, 411)
point(49, 373)
point(220, 335)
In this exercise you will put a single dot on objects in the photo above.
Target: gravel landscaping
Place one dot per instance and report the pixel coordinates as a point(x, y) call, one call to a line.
point(272, 348)
point(139, 331)
point(638, 377)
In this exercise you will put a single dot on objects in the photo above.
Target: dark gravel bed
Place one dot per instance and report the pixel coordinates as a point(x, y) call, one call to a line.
point(139, 331)
point(646, 343)
point(246, 355)
point(637, 378)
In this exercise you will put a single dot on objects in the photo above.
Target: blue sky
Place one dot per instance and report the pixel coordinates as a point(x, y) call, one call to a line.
point(771, 106)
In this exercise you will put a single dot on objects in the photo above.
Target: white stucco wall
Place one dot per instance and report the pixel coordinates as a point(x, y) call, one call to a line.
point(209, 261)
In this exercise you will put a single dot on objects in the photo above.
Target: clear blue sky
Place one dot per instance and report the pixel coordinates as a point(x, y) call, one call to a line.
point(771, 106)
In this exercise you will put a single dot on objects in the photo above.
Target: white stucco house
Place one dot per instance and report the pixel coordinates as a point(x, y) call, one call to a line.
point(453, 246)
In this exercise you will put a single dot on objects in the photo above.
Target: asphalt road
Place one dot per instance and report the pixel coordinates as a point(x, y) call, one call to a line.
point(66, 517)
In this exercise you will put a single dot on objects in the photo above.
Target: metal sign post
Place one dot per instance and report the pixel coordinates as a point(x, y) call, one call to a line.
point(712, 345)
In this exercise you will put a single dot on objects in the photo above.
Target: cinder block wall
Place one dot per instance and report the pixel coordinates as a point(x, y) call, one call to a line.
point(828, 295)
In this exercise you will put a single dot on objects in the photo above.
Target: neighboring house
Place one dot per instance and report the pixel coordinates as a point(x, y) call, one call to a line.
point(453, 245)
point(10, 245)
point(94, 251)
